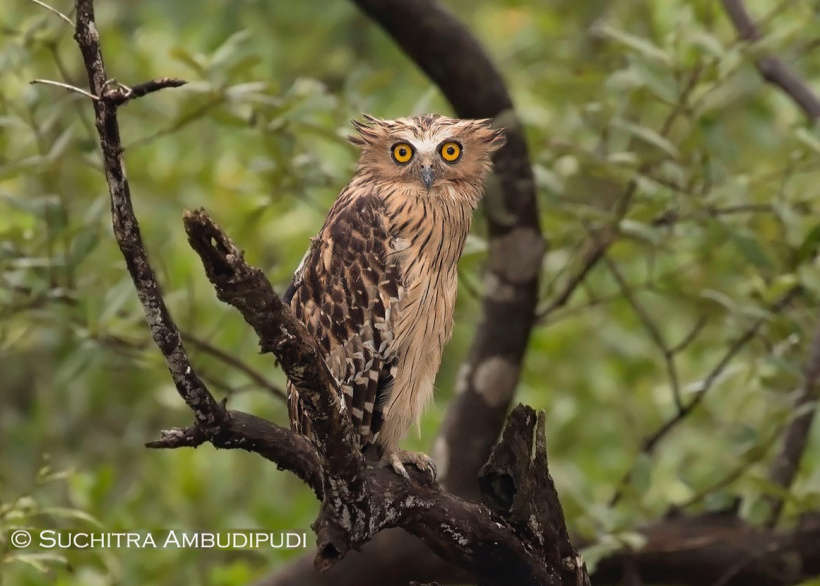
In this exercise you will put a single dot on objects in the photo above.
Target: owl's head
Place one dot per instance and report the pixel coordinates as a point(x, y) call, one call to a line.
point(427, 152)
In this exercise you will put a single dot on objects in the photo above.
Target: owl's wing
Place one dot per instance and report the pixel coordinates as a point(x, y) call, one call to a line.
point(346, 291)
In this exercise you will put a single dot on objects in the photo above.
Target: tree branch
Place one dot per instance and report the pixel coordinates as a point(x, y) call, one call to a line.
point(770, 67)
point(248, 290)
point(516, 481)
point(681, 551)
point(717, 549)
point(210, 416)
point(288, 450)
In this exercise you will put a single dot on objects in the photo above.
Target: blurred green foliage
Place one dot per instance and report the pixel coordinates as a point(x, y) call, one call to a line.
point(722, 222)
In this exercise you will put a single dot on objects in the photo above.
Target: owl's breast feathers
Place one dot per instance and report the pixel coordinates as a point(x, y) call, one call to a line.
point(376, 290)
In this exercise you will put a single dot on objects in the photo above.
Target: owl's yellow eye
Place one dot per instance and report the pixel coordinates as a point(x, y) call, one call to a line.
point(402, 153)
point(450, 151)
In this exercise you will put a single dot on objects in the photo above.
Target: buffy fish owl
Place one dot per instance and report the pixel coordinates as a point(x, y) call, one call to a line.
point(377, 287)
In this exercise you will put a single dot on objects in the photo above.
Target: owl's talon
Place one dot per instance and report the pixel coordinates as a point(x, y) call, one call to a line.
point(398, 468)
point(399, 458)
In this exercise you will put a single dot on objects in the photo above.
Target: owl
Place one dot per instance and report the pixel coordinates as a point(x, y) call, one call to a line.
point(377, 286)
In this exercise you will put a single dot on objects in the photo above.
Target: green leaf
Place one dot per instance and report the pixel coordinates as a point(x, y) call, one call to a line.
point(710, 43)
point(195, 62)
point(230, 50)
point(749, 246)
point(67, 513)
point(82, 245)
point(641, 477)
point(637, 44)
point(808, 138)
point(39, 561)
point(648, 135)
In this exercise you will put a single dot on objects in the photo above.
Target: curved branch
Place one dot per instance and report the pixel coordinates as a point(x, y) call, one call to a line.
point(288, 450)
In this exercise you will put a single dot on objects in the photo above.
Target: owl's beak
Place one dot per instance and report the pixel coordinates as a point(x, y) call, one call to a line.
point(428, 176)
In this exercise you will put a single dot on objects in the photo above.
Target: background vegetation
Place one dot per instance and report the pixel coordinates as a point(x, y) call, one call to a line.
point(721, 226)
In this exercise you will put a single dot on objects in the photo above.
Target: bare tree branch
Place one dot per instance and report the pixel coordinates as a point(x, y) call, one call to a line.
point(517, 482)
point(288, 450)
point(208, 413)
point(64, 86)
point(248, 290)
point(683, 551)
point(771, 68)
point(222, 428)
point(717, 548)
point(357, 504)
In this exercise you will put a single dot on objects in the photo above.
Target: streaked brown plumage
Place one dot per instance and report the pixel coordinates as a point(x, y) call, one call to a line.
point(378, 285)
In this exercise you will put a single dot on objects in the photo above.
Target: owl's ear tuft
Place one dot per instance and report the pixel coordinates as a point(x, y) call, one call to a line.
point(365, 129)
point(493, 138)
point(496, 140)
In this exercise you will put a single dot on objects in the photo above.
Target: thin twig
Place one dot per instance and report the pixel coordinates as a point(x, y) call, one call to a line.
point(65, 86)
point(54, 11)
point(652, 330)
point(236, 363)
point(691, 336)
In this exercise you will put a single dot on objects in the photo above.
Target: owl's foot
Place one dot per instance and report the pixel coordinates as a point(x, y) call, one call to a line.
point(399, 458)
